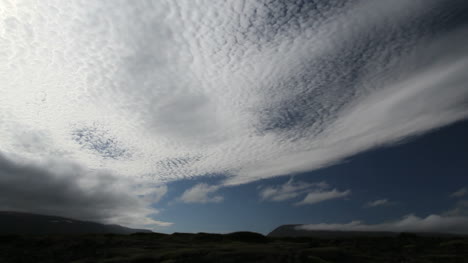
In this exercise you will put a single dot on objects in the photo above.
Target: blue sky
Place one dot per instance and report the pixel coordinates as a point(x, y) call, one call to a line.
point(236, 115)
point(416, 176)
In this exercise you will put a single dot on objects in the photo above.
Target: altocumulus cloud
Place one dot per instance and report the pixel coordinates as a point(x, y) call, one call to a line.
point(169, 90)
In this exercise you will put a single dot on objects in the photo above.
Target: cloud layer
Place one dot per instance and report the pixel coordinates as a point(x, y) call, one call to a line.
point(168, 90)
point(409, 223)
point(453, 221)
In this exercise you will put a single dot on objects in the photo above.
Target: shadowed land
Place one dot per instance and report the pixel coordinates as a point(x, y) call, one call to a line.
point(23, 238)
point(234, 247)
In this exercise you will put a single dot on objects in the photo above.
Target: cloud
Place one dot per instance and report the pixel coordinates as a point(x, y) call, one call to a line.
point(153, 194)
point(453, 221)
point(69, 190)
point(289, 190)
point(409, 223)
point(314, 192)
point(379, 202)
point(460, 209)
point(323, 195)
point(460, 193)
point(169, 91)
point(201, 193)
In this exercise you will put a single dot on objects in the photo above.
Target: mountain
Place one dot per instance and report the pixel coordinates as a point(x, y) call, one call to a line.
point(26, 223)
point(292, 231)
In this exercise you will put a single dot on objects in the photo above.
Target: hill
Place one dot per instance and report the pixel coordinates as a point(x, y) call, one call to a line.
point(26, 224)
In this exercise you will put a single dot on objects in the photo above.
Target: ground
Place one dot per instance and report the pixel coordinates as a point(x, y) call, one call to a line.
point(235, 247)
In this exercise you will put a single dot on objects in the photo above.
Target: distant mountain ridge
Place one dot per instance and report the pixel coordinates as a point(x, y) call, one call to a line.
point(292, 231)
point(35, 224)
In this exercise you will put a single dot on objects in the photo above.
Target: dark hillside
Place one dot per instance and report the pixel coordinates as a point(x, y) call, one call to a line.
point(26, 223)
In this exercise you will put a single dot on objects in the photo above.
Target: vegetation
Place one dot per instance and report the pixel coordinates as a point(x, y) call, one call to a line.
point(235, 247)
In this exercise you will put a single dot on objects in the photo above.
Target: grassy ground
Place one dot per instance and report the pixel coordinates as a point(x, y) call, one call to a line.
point(236, 247)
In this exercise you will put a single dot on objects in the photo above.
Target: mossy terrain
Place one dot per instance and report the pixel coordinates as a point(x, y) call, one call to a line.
point(235, 247)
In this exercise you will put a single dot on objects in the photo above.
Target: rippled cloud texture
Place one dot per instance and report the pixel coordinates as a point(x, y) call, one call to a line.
point(166, 90)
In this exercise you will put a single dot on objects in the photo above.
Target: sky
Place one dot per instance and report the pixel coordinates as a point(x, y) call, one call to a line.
point(219, 116)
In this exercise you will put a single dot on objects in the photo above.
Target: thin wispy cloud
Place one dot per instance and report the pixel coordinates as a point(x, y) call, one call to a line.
point(460, 193)
point(379, 202)
point(460, 209)
point(323, 195)
point(310, 193)
point(289, 190)
point(201, 193)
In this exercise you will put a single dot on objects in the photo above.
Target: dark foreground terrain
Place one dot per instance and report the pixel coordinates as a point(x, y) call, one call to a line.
point(235, 247)
point(18, 223)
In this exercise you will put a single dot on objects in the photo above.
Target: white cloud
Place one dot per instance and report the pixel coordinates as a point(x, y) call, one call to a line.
point(323, 195)
point(460, 209)
point(409, 223)
point(453, 221)
point(379, 202)
point(289, 190)
point(152, 193)
point(201, 193)
point(460, 193)
point(314, 192)
point(168, 91)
